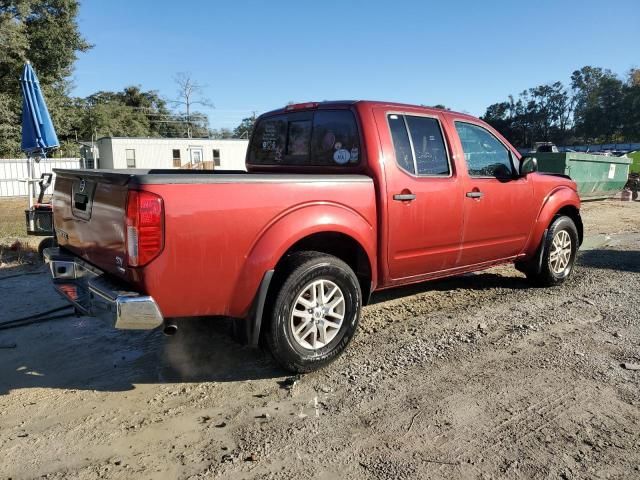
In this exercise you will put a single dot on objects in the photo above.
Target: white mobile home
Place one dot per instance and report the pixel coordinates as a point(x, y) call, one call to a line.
point(132, 152)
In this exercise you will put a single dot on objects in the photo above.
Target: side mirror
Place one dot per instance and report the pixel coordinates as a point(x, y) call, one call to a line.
point(528, 165)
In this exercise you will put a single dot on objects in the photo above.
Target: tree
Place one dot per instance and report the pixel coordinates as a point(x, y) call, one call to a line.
point(131, 112)
point(245, 129)
point(500, 117)
point(162, 122)
point(599, 96)
point(631, 110)
point(221, 134)
point(106, 115)
point(46, 33)
point(600, 107)
point(551, 109)
point(191, 93)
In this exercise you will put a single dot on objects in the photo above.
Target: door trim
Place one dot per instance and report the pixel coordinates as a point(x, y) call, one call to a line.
point(396, 282)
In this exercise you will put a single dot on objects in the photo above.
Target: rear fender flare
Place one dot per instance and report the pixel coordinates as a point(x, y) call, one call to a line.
point(557, 199)
point(285, 231)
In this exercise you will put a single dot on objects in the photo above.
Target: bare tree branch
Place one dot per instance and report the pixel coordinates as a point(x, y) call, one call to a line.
point(190, 93)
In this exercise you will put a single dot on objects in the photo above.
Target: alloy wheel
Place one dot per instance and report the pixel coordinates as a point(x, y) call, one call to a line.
point(561, 250)
point(317, 314)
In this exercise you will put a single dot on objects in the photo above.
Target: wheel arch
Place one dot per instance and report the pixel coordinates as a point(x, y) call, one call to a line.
point(573, 213)
point(328, 228)
point(560, 201)
point(342, 246)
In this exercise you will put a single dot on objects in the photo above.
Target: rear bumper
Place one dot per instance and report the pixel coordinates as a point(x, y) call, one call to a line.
point(94, 294)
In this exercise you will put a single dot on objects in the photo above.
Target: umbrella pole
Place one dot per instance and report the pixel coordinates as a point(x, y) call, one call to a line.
point(30, 191)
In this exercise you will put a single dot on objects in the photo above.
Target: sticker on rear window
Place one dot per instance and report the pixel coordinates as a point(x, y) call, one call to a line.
point(354, 154)
point(341, 156)
point(269, 137)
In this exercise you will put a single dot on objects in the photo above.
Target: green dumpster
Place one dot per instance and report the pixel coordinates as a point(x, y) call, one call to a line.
point(635, 161)
point(597, 176)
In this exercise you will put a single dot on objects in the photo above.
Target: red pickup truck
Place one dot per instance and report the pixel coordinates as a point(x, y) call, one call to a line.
point(340, 199)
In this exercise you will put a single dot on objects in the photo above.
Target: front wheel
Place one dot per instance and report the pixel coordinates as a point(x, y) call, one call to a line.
point(315, 312)
point(559, 254)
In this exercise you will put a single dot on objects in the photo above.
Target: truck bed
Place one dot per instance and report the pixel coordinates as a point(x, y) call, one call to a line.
point(211, 228)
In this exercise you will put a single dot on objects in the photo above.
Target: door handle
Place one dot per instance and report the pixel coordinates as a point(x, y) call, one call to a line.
point(404, 197)
point(475, 194)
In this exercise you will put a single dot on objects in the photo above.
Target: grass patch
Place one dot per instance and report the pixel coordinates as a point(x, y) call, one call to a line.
point(16, 247)
point(18, 253)
point(12, 222)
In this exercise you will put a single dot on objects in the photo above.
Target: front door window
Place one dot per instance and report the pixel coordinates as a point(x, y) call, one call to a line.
point(485, 155)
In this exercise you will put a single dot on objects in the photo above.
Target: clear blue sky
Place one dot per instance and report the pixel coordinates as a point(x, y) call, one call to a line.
point(258, 55)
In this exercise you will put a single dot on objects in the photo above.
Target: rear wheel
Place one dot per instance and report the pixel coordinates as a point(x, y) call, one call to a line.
point(315, 312)
point(558, 254)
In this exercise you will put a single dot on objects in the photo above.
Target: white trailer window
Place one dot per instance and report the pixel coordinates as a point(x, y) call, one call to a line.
point(130, 154)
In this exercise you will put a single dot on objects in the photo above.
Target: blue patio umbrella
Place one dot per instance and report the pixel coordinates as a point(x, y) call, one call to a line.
point(38, 134)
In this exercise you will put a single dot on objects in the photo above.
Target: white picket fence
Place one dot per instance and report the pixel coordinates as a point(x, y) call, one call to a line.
point(13, 170)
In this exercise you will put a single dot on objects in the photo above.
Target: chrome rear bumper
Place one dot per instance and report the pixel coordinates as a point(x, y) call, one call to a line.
point(94, 294)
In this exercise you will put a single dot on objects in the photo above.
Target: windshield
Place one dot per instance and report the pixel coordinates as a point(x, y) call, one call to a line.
point(322, 138)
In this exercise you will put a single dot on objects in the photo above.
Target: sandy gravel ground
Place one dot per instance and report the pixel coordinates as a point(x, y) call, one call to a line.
point(474, 377)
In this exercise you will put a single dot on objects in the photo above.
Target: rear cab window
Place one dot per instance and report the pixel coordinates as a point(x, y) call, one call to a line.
point(309, 138)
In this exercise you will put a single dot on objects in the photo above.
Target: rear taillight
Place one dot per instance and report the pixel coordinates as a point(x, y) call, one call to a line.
point(145, 227)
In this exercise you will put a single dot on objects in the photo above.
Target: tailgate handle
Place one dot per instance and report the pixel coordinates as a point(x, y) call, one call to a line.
point(80, 200)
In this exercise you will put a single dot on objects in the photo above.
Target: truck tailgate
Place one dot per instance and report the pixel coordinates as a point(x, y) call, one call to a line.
point(89, 210)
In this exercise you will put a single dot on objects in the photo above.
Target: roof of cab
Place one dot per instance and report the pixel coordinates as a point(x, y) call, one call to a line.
point(374, 103)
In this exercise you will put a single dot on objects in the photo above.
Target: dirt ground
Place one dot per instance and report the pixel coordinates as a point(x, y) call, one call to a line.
point(475, 377)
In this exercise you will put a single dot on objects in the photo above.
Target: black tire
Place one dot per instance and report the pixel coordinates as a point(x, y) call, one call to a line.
point(549, 276)
point(48, 242)
point(300, 270)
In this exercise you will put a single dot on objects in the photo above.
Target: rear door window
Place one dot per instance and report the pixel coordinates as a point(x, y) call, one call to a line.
point(428, 146)
point(321, 138)
point(418, 145)
point(401, 143)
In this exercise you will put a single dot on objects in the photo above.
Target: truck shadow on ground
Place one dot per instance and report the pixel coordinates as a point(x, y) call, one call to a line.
point(621, 260)
point(84, 353)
